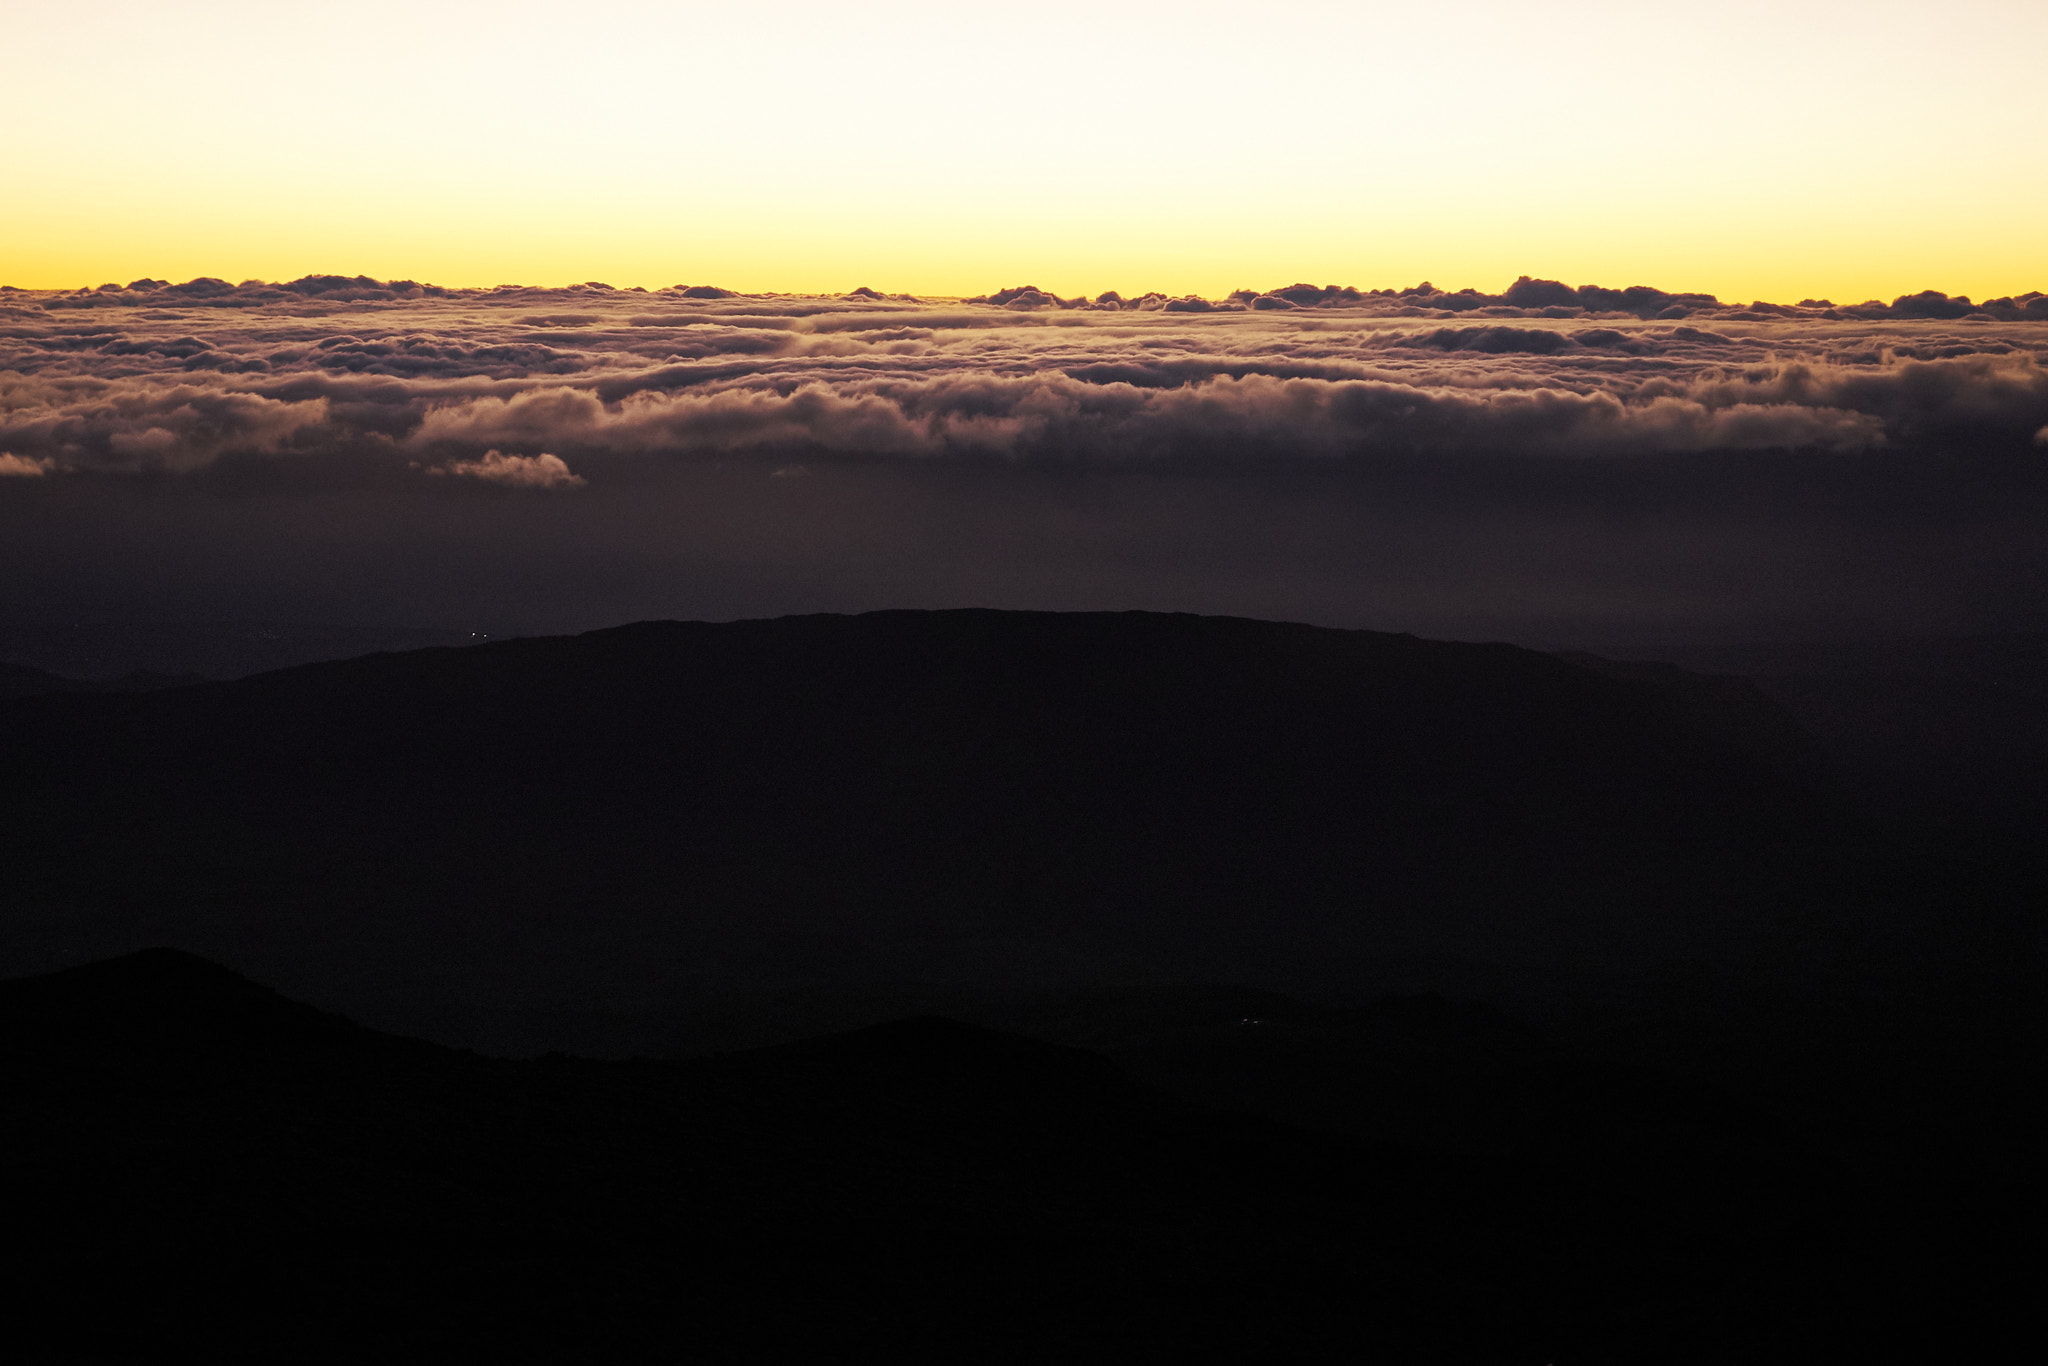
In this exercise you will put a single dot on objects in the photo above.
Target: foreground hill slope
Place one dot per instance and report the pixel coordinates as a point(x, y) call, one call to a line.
point(664, 812)
point(193, 1164)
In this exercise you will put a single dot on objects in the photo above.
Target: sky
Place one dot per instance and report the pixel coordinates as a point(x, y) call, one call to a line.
point(1750, 149)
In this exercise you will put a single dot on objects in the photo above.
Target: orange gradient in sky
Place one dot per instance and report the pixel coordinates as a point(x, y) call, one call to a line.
point(1775, 150)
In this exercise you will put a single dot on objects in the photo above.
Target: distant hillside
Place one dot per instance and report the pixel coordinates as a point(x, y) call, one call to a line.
point(1951, 731)
point(642, 818)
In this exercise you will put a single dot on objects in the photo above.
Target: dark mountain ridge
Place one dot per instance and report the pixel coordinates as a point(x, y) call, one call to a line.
point(161, 1000)
point(640, 818)
point(196, 1165)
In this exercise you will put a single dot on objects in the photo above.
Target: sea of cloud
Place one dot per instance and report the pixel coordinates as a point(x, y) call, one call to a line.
point(413, 391)
point(152, 379)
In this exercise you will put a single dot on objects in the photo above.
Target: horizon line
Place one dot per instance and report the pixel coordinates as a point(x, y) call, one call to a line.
point(1526, 292)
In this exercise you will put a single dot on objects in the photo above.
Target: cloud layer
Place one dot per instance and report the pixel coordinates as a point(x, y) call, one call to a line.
point(169, 379)
point(1637, 408)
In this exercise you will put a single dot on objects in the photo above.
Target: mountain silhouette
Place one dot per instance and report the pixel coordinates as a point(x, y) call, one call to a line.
point(163, 1001)
point(195, 1164)
point(479, 843)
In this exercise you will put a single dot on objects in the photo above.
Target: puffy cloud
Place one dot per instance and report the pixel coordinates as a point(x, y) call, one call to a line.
point(811, 416)
point(137, 426)
point(1528, 293)
point(543, 471)
point(1931, 303)
point(1971, 398)
point(1016, 296)
point(1058, 418)
point(14, 466)
point(1535, 341)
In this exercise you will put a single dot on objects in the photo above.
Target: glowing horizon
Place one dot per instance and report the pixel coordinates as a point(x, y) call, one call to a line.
point(1817, 149)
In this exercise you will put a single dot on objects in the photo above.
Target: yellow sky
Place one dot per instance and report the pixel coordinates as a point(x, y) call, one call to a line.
point(1751, 149)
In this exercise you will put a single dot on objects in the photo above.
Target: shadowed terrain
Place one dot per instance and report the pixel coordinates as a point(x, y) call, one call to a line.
point(643, 820)
point(1006, 984)
point(195, 1163)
